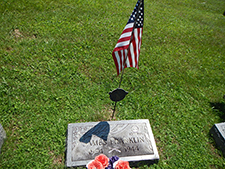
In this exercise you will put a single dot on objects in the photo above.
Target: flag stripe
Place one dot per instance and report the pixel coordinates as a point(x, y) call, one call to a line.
point(137, 41)
point(116, 61)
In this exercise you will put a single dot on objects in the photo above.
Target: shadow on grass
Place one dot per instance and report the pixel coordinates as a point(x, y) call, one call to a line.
point(219, 108)
point(144, 163)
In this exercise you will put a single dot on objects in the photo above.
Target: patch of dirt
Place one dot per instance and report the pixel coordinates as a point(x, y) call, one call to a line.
point(107, 114)
point(34, 36)
point(57, 160)
point(17, 33)
point(8, 49)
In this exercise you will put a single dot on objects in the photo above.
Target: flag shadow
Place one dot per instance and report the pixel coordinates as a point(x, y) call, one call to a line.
point(101, 130)
point(219, 108)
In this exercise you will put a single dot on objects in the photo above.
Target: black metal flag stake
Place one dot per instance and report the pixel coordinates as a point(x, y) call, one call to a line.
point(127, 50)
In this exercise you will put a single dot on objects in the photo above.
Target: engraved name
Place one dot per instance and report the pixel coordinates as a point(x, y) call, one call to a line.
point(114, 141)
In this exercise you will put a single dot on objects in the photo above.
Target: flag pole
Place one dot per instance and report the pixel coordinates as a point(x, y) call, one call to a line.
point(132, 34)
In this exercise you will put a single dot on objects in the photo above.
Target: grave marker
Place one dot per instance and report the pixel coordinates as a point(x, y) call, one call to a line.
point(2, 136)
point(131, 140)
point(218, 133)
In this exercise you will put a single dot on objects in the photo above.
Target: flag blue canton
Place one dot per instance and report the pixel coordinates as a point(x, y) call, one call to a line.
point(140, 17)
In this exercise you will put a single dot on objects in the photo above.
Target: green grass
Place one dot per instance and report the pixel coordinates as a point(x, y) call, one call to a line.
point(56, 68)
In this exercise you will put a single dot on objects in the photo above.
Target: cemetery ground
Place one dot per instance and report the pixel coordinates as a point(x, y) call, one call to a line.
point(56, 68)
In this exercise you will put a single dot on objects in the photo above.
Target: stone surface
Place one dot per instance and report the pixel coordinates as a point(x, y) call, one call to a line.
point(131, 140)
point(218, 133)
point(2, 136)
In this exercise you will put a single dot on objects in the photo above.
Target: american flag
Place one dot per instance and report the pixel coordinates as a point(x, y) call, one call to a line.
point(127, 50)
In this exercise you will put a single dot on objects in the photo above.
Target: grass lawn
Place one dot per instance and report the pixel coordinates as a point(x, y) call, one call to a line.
point(56, 68)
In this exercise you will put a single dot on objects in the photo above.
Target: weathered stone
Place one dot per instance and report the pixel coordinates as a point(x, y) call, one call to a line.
point(2, 136)
point(131, 140)
point(218, 133)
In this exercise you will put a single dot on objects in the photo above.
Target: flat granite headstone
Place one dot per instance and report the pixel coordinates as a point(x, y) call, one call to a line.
point(218, 133)
point(130, 140)
point(2, 136)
